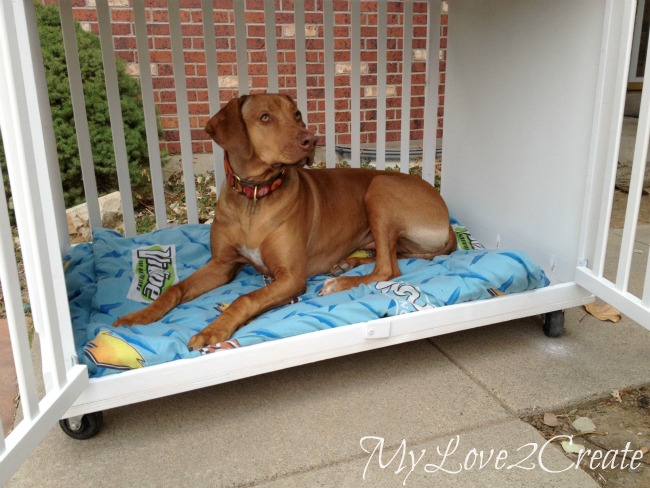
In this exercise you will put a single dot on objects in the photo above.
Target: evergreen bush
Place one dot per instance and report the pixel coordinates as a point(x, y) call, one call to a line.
point(92, 73)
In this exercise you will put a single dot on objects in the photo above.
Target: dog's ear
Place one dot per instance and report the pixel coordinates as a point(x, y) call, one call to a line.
point(228, 129)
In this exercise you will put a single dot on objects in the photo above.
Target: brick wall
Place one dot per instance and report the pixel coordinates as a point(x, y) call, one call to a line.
point(223, 17)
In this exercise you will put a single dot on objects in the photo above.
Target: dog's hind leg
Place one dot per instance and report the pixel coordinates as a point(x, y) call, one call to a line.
point(407, 218)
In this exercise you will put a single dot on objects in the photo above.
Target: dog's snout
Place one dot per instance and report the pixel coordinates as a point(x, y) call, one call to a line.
point(307, 141)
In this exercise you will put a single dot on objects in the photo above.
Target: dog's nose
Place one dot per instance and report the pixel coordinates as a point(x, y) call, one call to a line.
point(307, 141)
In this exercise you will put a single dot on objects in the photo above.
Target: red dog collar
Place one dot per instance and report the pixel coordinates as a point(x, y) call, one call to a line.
point(252, 191)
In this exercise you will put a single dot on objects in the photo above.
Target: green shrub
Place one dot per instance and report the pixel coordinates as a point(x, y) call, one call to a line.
point(92, 73)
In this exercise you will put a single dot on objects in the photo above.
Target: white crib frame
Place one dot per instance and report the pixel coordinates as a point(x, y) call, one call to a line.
point(546, 111)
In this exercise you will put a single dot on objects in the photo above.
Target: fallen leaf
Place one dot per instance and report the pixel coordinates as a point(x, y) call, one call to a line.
point(603, 312)
point(550, 419)
point(617, 396)
point(584, 425)
point(570, 447)
point(644, 449)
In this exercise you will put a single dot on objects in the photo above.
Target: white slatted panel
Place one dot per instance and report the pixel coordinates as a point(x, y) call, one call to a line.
point(210, 44)
point(80, 116)
point(115, 112)
point(301, 63)
point(431, 92)
point(271, 46)
point(28, 139)
point(406, 86)
point(330, 121)
point(381, 85)
point(182, 109)
point(355, 85)
point(636, 189)
point(150, 117)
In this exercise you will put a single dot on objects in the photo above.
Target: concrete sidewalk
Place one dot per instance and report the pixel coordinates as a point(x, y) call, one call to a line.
point(461, 393)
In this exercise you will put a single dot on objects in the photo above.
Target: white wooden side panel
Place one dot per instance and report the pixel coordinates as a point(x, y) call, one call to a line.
point(29, 151)
point(519, 109)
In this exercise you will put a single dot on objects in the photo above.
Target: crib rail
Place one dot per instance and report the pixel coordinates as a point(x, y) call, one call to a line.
point(27, 139)
point(317, 97)
point(605, 269)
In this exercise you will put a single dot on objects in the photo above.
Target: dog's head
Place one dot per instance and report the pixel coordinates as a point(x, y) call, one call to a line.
point(262, 134)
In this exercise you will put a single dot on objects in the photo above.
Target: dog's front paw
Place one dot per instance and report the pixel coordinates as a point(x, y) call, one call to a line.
point(141, 317)
point(330, 286)
point(208, 337)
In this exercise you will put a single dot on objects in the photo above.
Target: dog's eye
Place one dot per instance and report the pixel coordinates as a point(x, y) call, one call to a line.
point(265, 117)
point(298, 115)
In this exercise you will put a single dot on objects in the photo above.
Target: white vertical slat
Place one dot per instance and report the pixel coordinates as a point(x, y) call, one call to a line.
point(588, 226)
point(381, 84)
point(241, 47)
point(614, 134)
point(149, 106)
point(301, 63)
point(431, 92)
point(182, 110)
point(407, 51)
point(15, 314)
point(210, 45)
point(330, 122)
point(115, 113)
point(355, 85)
point(636, 41)
point(80, 116)
point(636, 187)
point(271, 46)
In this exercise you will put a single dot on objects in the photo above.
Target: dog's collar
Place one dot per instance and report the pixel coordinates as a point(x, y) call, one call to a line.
point(252, 190)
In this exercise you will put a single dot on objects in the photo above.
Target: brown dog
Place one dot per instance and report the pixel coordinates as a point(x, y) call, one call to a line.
point(291, 223)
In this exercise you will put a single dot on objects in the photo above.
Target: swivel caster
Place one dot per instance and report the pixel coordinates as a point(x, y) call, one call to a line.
point(83, 427)
point(554, 323)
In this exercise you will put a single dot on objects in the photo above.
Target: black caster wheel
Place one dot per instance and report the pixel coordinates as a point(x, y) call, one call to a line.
point(554, 323)
point(84, 427)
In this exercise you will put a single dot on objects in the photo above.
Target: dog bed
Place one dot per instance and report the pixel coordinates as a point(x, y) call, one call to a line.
point(114, 275)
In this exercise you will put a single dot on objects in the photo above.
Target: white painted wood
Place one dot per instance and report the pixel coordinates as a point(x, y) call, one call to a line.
point(182, 110)
point(355, 84)
point(210, 43)
point(380, 157)
point(80, 116)
point(330, 121)
point(624, 301)
point(150, 116)
point(301, 63)
point(115, 113)
point(636, 43)
point(29, 152)
point(503, 148)
point(28, 435)
point(407, 51)
point(622, 38)
point(430, 122)
point(636, 188)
